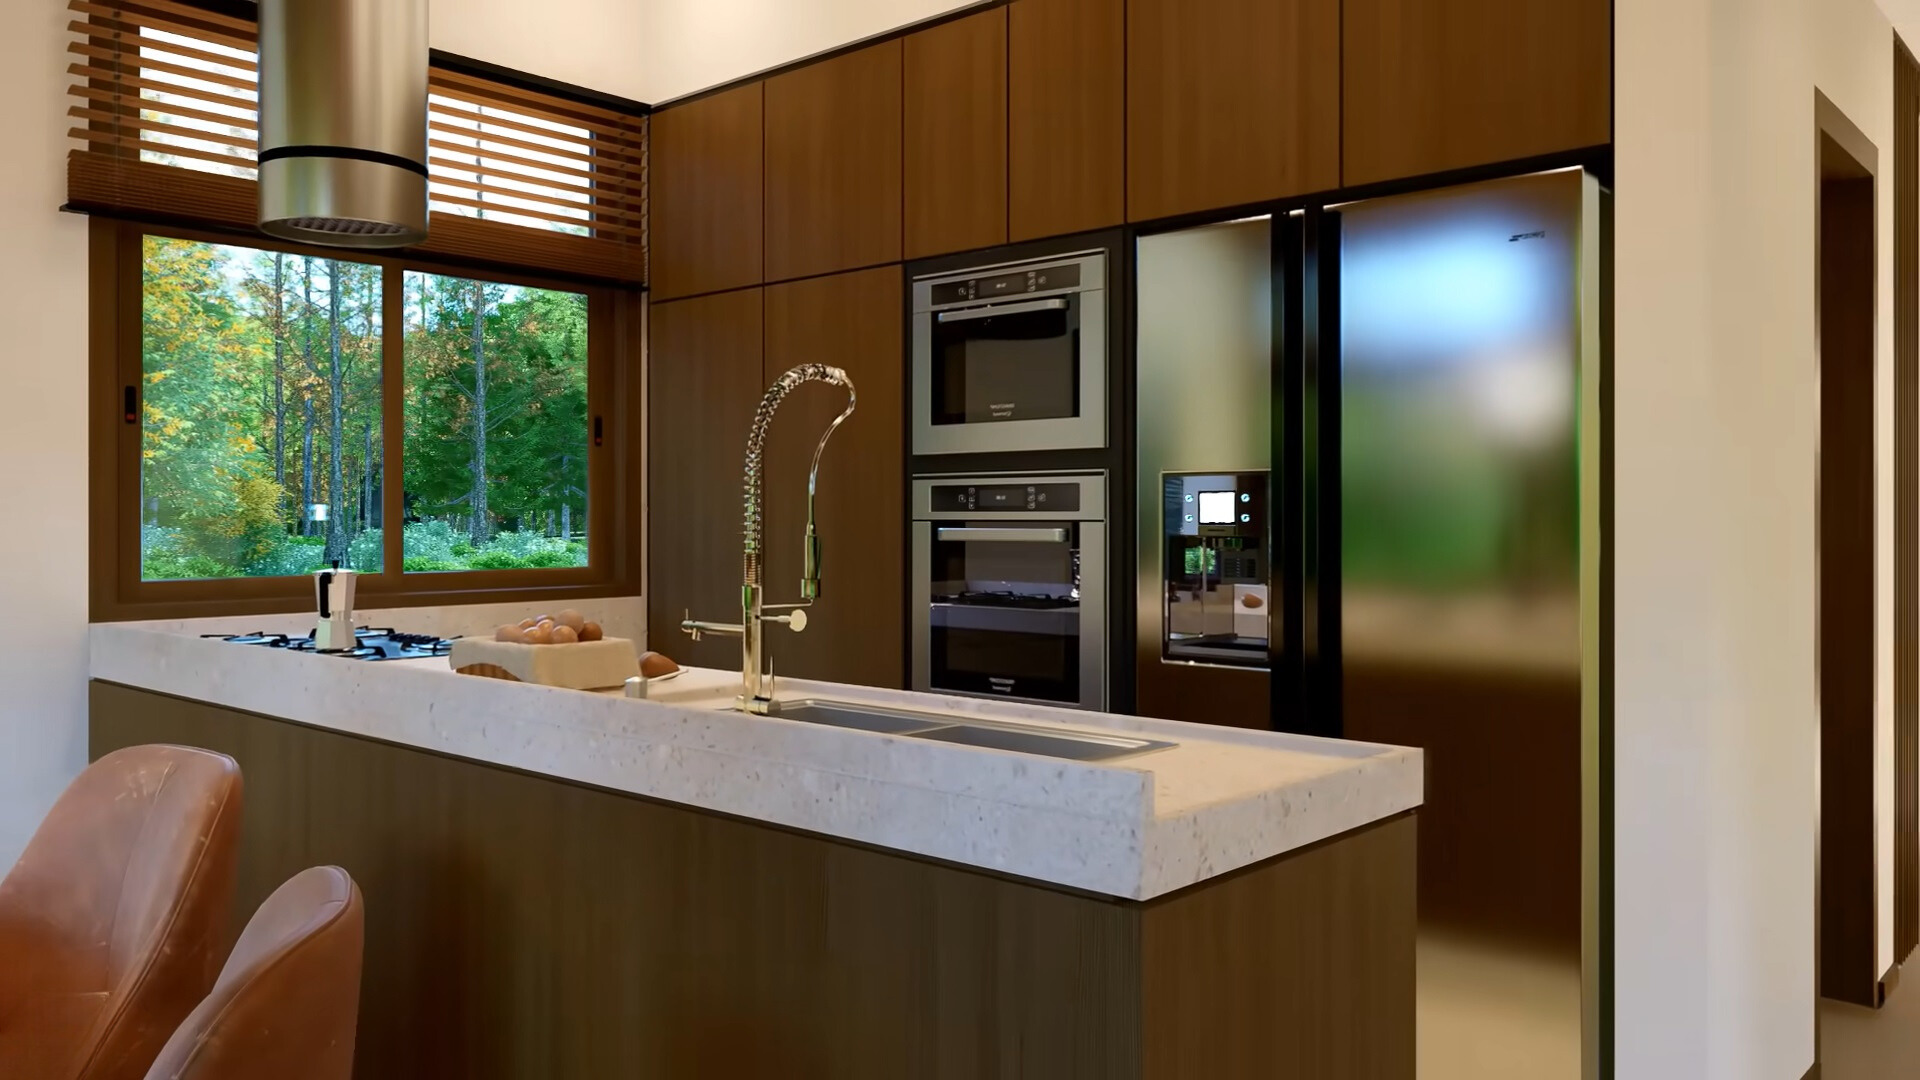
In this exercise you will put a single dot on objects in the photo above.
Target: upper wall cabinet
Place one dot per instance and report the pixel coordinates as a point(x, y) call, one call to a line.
point(706, 197)
point(956, 135)
point(1230, 102)
point(833, 164)
point(1432, 86)
point(1066, 116)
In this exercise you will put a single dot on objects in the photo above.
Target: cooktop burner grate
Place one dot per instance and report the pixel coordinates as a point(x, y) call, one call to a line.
point(370, 643)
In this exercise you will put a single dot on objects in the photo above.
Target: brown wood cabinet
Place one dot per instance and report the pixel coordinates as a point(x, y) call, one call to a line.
point(833, 132)
point(851, 321)
point(1435, 86)
point(706, 194)
point(1230, 102)
point(703, 382)
point(1066, 116)
point(956, 135)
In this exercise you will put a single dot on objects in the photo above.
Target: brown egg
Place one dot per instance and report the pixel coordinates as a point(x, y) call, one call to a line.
point(1251, 601)
point(509, 632)
point(591, 632)
point(528, 624)
point(653, 665)
point(547, 625)
point(540, 635)
point(564, 635)
point(571, 619)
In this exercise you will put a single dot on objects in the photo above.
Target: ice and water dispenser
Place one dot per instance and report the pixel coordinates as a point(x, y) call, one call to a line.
point(1217, 609)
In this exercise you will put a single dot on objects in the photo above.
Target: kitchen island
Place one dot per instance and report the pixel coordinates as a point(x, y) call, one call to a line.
point(565, 883)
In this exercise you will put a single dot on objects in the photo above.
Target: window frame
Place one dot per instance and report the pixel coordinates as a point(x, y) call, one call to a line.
point(615, 318)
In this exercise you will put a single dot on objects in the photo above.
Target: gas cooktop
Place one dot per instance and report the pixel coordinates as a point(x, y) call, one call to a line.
point(369, 644)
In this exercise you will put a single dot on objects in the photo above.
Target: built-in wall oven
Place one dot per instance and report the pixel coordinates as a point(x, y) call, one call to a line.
point(1011, 357)
point(1010, 587)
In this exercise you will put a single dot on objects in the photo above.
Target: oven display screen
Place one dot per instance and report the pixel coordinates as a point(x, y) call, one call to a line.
point(1217, 508)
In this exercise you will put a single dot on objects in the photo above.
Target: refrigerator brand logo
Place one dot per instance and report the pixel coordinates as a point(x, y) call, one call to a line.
point(1537, 234)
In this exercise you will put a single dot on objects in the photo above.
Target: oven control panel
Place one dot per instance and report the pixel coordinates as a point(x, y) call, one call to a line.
point(1018, 283)
point(1008, 498)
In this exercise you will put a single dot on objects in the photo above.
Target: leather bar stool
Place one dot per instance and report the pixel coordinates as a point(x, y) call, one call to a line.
point(287, 1003)
point(111, 923)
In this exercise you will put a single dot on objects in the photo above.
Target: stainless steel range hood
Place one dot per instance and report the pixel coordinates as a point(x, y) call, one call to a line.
point(343, 121)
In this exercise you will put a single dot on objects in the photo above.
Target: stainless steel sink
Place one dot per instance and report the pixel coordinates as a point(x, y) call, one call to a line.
point(993, 734)
point(860, 717)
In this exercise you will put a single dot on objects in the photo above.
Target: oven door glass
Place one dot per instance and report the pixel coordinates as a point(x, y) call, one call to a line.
point(1005, 614)
point(1018, 361)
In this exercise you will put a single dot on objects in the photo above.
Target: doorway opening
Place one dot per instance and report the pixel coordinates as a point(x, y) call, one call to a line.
point(1847, 894)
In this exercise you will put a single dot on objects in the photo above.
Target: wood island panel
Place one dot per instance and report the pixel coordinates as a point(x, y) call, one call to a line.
point(519, 925)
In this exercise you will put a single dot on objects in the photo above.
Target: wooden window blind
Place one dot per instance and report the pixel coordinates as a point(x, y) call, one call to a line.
point(165, 126)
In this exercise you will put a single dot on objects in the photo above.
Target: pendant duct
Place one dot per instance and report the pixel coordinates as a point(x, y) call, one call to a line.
point(343, 121)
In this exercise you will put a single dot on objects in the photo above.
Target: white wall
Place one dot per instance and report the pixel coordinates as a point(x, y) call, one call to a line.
point(43, 437)
point(689, 45)
point(598, 44)
point(1715, 440)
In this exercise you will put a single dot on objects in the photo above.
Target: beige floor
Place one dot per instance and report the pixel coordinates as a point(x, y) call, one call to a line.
point(1488, 1014)
point(1491, 1015)
point(1861, 1044)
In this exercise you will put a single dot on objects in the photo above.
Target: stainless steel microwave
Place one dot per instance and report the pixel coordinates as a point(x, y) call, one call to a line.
point(1011, 357)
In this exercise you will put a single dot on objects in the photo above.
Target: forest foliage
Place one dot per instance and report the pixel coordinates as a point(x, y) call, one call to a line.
point(263, 399)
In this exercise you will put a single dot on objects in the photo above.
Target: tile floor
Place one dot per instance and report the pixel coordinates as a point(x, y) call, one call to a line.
point(1862, 1044)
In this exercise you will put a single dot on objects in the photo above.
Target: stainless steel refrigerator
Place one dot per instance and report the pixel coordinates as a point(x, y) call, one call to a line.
point(1411, 390)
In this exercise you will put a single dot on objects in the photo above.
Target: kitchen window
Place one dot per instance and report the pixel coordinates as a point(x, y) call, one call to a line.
point(458, 421)
point(450, 434)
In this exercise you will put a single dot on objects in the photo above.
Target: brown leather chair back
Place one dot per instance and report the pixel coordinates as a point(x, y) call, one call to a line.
point(288, 1001)
point(113, 919)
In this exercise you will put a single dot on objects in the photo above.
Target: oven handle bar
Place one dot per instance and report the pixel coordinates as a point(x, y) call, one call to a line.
point(990, 310)
point(1003, 536)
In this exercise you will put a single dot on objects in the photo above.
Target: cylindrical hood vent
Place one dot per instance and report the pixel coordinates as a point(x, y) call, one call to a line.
point(343, 121)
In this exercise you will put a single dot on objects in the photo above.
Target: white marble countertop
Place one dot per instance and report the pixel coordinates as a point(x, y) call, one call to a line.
point(1134, 827)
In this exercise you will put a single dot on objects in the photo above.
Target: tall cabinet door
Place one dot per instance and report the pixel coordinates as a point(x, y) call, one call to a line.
point(1435, 86)
point(851, 321)
point(833, 146)
point(1066, 116)
point(706, 196)
point(956, 135)
point(1230, 102)
point(703, 380)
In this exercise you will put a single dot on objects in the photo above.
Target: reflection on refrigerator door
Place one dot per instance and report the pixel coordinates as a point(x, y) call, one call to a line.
point(1203, 370)
point(1461, 588)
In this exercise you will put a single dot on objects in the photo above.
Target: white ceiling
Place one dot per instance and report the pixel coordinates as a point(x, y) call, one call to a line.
point(654, 50)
